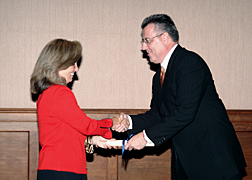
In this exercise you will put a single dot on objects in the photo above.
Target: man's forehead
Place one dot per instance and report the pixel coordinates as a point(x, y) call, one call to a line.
point(148, 30)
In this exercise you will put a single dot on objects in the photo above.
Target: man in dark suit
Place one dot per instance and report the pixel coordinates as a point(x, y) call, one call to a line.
point(185, 109)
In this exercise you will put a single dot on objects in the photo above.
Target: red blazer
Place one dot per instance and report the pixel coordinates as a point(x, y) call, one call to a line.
point(63, 128)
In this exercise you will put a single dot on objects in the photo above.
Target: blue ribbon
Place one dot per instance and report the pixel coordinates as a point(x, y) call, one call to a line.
point(123, 147)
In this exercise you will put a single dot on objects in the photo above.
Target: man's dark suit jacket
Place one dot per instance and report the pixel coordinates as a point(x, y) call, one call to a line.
point(188, 110)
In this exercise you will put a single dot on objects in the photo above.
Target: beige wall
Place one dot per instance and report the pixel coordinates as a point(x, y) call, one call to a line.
point(113, 73)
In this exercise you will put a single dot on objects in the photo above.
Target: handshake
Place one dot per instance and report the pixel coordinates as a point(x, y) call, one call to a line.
point(121, 123)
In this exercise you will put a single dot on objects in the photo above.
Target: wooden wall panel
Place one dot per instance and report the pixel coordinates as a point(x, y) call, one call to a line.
point(97, 166)
point(146, 164)
point(19, 144)
point(19, 148)
point(14, 155)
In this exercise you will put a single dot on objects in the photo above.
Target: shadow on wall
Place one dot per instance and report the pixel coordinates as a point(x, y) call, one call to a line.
point(75, 78)
point(153, 67)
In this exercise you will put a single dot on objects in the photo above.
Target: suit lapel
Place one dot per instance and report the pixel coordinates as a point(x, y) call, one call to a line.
point(173, 58)
point(170, 66)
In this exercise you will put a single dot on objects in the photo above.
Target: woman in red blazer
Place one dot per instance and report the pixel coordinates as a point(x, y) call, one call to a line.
point(63, 126)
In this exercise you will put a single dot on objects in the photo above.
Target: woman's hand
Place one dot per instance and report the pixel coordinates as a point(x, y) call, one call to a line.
point(101, 142)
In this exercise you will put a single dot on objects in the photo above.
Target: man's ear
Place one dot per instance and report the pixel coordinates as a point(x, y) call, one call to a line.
point(166, 37)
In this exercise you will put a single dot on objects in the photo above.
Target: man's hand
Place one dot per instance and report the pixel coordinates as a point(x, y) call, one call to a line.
point(136, 142)
point(120, 123)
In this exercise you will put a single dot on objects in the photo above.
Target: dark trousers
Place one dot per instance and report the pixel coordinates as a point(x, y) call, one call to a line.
point(59, 175)
point(237, 177)
point(178, 172)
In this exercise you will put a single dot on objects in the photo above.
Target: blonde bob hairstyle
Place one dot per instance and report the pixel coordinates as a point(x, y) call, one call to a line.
point(57, 55)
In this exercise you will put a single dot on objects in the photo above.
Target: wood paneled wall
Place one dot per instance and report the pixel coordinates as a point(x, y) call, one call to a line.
point(19, 148)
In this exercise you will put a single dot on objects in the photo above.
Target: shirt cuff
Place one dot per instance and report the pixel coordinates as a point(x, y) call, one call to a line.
point(130, 120)
point(146, 137)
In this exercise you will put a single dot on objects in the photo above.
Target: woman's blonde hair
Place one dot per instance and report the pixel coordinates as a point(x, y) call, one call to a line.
point(57, 55)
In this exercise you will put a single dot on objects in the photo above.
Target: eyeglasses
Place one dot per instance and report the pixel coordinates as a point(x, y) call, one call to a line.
point(148, 40)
